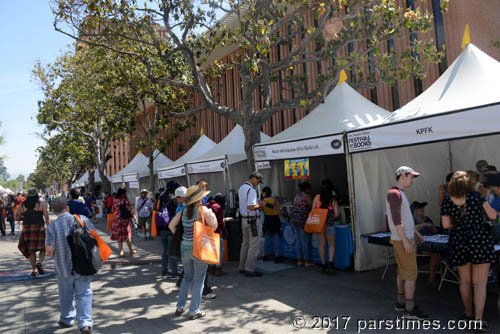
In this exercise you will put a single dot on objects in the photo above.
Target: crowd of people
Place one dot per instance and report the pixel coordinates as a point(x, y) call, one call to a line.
point(469, 204)
point(467, 200)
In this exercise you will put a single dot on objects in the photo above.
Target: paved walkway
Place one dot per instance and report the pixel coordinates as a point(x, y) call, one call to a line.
point(136, 299)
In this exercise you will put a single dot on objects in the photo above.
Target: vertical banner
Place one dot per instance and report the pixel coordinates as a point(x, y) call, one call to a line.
point(297, 168)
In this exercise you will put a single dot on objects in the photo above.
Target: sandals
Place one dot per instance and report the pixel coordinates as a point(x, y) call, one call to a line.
point(132, 252)
point(196, 315)
point(179, 311)
point(122, 254)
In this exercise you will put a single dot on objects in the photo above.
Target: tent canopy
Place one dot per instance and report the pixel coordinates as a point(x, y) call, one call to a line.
point(82, 181)
point(467, 93)
point(321, 131)
point(134, 167)
point(232, 146)
point(161, 161)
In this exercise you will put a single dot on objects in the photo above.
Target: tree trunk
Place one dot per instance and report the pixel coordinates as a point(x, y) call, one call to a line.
point(105, 183)
point(91, 180)
point(151, 164)
point(251, 129)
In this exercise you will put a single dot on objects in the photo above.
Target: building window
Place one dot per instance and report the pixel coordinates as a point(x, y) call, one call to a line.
point(440, 34)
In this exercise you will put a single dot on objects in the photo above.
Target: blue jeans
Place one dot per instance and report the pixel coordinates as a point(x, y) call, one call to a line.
point(12, 225)
point(195, 271)
point(166, 261)
point(79, 286)
point(275, 239)
point(221, 252)
point(302, 240)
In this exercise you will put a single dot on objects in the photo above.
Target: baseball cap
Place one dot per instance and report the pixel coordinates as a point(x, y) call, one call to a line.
point(181, 192)
point(417, 205)
point(492, 180)
point(257, 175)
point(144, 190)
point(491, 168)
point(406, 170)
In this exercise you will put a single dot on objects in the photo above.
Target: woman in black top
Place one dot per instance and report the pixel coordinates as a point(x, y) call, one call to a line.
point(32, 212)
point(470, 245)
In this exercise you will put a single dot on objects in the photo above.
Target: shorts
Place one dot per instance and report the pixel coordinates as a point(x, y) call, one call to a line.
point(407, 263)
point(330, 230)
point(143, 220)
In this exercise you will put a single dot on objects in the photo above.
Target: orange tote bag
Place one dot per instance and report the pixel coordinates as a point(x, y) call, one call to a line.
point(316, 222)
point(206, 244)
point(110, 218)
point(154, 229)
point(104, 249)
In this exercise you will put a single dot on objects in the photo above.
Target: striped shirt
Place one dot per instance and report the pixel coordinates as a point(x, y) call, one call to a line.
point(56, 233)
point(188, 226)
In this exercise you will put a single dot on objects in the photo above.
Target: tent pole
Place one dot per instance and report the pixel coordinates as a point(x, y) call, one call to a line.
point(352, 197)
point(449, 155)
point(187, 175)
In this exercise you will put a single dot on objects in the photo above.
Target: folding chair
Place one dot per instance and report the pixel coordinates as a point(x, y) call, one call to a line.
point(448, 269)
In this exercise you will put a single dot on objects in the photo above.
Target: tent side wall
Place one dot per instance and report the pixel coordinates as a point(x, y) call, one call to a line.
point(465, 152)
point(374, 176)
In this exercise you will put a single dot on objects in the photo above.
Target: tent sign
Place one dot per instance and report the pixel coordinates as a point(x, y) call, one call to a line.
point(450, 126)
point(297, 168)
point(327, 145)
point(262, 165)
point(130, 178)
point(213, 166)
point(116, 179)
point(133, 185)
point(172, 172)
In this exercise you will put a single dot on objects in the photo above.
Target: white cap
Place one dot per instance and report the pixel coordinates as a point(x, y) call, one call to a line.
point(406, 170)
point(181, 192)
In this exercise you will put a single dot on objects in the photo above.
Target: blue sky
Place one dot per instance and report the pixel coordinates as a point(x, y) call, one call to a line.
point(27, 35)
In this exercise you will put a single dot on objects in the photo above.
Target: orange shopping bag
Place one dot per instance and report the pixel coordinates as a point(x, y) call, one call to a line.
point(104, 249)
point(316, 222)
point(110, 218)
point(154, 228)
point(206, 244)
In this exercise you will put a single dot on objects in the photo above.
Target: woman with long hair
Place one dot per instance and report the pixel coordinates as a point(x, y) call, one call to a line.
point(326, 199)
point(120, 229)
point(471, 246)
point(195, 270)
point(33, 212)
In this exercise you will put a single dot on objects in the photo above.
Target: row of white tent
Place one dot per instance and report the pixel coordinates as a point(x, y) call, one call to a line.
point(6, 191)
point(359, 145)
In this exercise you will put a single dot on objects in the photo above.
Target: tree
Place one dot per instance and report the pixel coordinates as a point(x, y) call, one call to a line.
point(4, 175)
point(84, 92)
point(41, 178)
point(351, 32)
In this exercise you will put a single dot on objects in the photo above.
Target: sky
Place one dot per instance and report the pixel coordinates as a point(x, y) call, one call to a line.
point(27, 36)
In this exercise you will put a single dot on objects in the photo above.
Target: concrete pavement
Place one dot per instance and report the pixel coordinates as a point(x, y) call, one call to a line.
point(136, 299)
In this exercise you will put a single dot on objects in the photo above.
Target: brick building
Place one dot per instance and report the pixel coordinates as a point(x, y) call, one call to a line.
point(482, 17)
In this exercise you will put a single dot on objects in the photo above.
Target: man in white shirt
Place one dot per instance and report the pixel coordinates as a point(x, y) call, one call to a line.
point(144, 208)
point(250, 225)
point(402, 225)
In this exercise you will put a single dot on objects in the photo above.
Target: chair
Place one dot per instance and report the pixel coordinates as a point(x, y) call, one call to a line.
point(448, 269)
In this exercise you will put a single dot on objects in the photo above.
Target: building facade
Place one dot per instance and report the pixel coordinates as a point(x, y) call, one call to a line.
point(482, 17)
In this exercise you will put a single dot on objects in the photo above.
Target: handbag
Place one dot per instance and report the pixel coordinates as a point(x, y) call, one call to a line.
point(110, 217)
point(316, 221)
point(104, 250)
point(206, 244)
point(154, 228)
point(174, 249)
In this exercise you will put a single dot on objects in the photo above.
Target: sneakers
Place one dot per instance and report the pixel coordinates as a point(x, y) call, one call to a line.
point(210, 295)
point(399, 307)
point(196, 315)
point(64, 325)
point(86, 330)
point(416, 314)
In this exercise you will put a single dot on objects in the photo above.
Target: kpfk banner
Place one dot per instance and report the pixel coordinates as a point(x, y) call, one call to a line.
point(172, 172)
point(469, 123)
point(327, 145)
point(213, 166)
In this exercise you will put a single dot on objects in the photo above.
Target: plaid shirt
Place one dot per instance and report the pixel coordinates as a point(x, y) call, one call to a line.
point(56, 233)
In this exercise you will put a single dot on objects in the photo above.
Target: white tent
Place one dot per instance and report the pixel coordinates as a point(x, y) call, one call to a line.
point(84, 180)
point(320, 133)
point(2, 190)
point(214, 163)
point(8, 191)
point(160, 161)
point(448, 127)
point(177, 169)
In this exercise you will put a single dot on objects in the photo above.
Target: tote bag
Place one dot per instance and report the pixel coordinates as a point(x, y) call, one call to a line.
point(104, 250)
point(316, 222)
point(206, 244)
point(154, 228)
point(110, 217)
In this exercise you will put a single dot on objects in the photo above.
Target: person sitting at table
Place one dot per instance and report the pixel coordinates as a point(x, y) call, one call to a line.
point(470, 245)
point(424, 226)
point(326, 199)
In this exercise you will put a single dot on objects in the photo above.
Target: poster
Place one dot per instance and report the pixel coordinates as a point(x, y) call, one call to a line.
point(297, 168)
point(133, 185)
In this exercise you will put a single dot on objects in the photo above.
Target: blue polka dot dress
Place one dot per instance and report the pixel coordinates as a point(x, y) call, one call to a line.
point(470, 238)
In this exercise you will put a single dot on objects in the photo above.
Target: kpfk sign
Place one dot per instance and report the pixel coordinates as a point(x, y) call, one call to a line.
point(460, 124)
point(327, 145)
point(171, 172)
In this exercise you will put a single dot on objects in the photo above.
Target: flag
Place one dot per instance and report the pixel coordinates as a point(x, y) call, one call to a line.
point(201, 132)
point(342, 77)
point(466, 38)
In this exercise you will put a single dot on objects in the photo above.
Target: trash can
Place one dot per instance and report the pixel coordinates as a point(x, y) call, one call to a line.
point(234, 239)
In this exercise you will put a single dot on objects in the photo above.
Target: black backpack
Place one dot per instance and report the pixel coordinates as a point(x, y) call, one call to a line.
point(85, 256)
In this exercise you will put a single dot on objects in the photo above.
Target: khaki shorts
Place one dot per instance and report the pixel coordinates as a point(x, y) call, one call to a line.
point(143, 220)
point(407, 263)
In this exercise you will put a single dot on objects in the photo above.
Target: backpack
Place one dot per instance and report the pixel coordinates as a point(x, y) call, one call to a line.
point(124, 211)
point(162, 218)
point(85, 256)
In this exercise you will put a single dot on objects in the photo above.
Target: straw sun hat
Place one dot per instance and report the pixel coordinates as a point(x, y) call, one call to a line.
point(195, 194)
